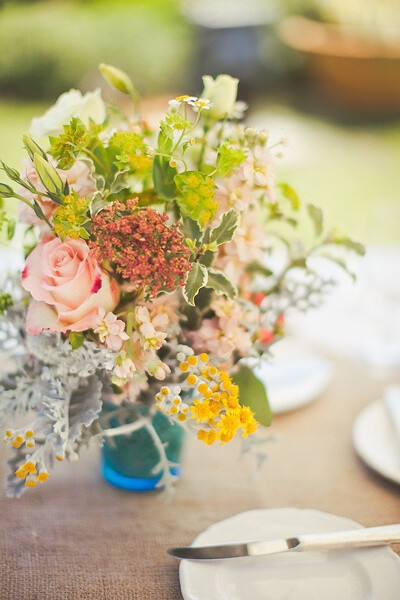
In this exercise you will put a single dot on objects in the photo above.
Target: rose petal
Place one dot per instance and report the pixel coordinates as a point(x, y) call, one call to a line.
point(40, 316)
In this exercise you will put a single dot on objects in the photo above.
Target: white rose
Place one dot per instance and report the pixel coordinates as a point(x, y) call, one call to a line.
point(222, 92)
point(70, 104)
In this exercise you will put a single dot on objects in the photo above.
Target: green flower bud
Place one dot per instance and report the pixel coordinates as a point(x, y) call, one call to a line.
point(12, 173)
point(32, 147)
point(117, 78)
point(6, 191)
point(48, 175)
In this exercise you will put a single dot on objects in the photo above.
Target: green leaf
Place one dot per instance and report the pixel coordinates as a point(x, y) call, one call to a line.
point(350, 244)
point(98, 203)
point(221, 284)
point(252, 393)
point(225, 230)
point(338, 261)
point(229, 158)
point(258, 269)
point(290, 194)
point(164, 177)
point(197, 199)
point(207, 259)
point(191, 229)
point(10, 229)
point(317, 217)
point(76, 339)
point(197, 278)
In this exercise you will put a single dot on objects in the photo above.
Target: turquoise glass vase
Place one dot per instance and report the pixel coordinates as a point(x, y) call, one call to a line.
point(128, 460)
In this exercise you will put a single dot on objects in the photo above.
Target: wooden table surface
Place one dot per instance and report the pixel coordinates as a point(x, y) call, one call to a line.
point(78, 538)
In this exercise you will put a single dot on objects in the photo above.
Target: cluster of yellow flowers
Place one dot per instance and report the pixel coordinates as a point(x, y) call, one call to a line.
point(19, 437)
point(29, 469)
point(214, 405)
point(70, 216)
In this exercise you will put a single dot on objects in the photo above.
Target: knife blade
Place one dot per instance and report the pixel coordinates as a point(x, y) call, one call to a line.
point(368, 536)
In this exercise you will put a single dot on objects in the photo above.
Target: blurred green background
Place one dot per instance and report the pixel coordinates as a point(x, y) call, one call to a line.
point(344, 158)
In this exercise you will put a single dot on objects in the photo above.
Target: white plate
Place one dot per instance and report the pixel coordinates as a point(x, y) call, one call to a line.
point(294, 382)
point(375, 441)
point(363, 574)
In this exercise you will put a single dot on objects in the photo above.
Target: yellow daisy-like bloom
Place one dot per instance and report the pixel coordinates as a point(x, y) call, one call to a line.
point(201, 411)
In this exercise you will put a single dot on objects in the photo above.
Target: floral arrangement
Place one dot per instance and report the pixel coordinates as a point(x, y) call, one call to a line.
point(158, 263)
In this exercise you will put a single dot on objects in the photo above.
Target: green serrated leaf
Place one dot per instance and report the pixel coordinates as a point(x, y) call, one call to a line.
point(252, 393)
point(290, 194)
point(197, 278)
point(225, 230)
point(76, 339)
point(221, 284)
point(317, 217)
point(229, 158)
point(191, 229)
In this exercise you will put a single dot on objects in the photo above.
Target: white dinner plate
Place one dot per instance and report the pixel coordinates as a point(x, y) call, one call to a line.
point(376, 443)
point(294, 382)
point(362, 574)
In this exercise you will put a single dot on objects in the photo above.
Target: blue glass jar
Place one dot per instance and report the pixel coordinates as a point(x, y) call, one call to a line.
point(128, 460)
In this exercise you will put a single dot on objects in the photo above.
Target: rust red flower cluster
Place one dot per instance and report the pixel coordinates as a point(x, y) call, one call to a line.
point(144, 250)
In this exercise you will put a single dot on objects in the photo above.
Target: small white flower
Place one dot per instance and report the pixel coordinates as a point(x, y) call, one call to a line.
point(174, 103)
point(200, 104)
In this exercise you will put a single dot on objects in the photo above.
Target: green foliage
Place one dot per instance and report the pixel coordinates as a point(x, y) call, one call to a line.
point(178, 121)
point(346, 242)
point(289, 194)
point(257, 268)
point(221, 285)
point(5, 302)
point(132, 153)
point(163, 173)
point(76, 339)
point(197, 278)
point(229, 158)
point(226, 229)
point(197, 199)
point(191, 229)
point(317, 217)
point(77, 139)
point(252, 393)
point(70, 217)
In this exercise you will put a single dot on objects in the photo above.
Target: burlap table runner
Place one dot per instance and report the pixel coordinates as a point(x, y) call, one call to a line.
point(77, 538)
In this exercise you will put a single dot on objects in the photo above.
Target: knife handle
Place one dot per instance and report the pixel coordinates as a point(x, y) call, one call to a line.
point(355, 538)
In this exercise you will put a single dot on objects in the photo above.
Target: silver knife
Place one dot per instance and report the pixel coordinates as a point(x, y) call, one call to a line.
point(368, 536)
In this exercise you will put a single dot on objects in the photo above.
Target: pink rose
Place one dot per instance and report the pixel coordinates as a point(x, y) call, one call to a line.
point(69, 287)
